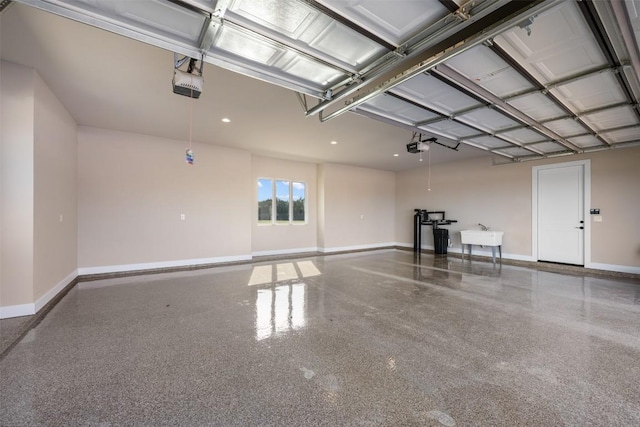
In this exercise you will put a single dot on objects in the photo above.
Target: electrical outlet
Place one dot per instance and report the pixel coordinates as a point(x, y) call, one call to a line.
point(183, 217)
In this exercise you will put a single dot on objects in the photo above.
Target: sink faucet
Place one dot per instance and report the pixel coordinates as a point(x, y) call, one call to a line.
point(483, 227)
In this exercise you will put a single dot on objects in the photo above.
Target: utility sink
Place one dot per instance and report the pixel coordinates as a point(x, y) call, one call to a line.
point(483, 238)
point(479, 237)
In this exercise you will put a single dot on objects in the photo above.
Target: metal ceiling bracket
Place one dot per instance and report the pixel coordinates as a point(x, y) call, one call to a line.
point(209, 32)
point(302, 98)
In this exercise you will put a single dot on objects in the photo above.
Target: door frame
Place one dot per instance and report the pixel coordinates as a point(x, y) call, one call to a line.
point(586, 164)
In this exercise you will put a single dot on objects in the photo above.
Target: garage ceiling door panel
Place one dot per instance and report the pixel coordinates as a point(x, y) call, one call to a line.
point(585, 141)
point(451, 129)
point(250, 51)
point(485, 68)
point(537, 106)
point(431, 92)
point(516, 152)
point(612, 118)
point(558, 45)
point(623, 135)
point(488, 142)
point(309, 70)
point(566, 127)
point(301, 26)
point(394, 21)
point(523, 136)
point(246, 46)
point(549, 147)
point(598, 90)
point(488, 119)
point(394, 108)
point(287, 17)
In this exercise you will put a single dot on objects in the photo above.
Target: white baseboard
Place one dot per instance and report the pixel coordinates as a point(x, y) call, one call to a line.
point(83, 271)
point(44, 299)
point(33, 308)
point(614, 267)
point(284, 251)
point(17, 310)
point(357, 247)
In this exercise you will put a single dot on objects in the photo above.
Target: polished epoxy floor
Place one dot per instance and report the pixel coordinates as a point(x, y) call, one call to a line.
point(377, 338)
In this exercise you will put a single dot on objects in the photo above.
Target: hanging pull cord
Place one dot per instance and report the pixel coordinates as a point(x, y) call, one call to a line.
point(189, 154)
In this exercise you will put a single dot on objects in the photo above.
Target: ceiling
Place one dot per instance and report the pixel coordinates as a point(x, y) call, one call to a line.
point(515, 80)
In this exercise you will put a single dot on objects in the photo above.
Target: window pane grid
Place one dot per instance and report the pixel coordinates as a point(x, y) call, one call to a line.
point(281, 202)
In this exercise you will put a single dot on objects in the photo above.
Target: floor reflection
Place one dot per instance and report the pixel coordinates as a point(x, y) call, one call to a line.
point(280, 310)
point(273, 273)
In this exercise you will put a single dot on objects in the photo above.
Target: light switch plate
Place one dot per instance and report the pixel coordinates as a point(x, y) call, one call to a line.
point(597, 218)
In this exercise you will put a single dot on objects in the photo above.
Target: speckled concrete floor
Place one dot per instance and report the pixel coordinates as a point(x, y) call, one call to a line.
point(378, 338)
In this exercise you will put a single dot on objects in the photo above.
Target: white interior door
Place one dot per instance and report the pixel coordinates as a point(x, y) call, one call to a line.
point(560, 214)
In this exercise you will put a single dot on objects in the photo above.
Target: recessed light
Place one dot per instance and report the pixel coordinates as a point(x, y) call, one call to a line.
point(226, 120)
point(334, 142)
point(396, 155)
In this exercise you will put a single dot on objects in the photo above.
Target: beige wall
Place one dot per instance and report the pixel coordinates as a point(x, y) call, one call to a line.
point(359, 207)
point(133, 188)
point(475, 192)
point(17, 120)
point(615, 189)
point(38, 186)
point(55, 204)
point(284, 238)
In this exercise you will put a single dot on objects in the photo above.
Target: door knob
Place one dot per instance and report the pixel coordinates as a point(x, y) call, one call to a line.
point(581, 228)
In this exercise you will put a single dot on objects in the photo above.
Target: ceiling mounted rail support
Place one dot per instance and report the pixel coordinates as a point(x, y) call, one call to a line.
point(509, 110)
point(302, 98)
point(443, 35)
point(472, 35)
point(209, 32)
point(502, 54)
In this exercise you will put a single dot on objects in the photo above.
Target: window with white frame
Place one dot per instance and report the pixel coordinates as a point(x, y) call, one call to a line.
point(281, 201)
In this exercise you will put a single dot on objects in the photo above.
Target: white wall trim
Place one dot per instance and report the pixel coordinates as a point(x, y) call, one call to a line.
point(284, 251)
point(357, 247)
point(587, 206)
point(31, 309)
point(614, 267)
point(17, 310)
point(44, 299)
point(83, 271)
